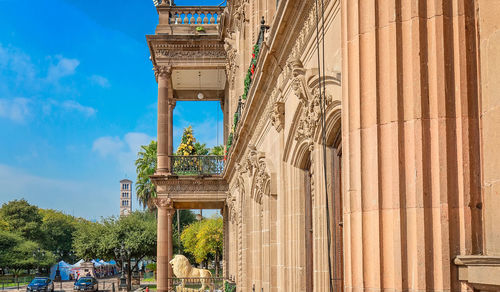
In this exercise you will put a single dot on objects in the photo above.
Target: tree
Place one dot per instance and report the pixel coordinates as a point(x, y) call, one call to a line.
point(145, 167)
point(204, 239)
point(186, 217)
point(201, 149)
point(22, 217)
point(57, 232)
point(134, 234)
point(87, 240)
point(217, 150)
point(18, 253)
point(187, 146)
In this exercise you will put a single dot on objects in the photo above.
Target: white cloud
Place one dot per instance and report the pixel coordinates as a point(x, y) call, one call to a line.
point(100, 80)
point(123, 150)
point(16, 109)
point(19, 63)
point(67, 195)
point(64, 67)
point(72, 105)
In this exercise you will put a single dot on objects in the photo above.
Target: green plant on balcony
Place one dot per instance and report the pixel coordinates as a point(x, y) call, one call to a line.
point(229, 286)
point(200, 29)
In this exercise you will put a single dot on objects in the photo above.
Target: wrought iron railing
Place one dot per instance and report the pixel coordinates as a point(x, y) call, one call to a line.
point(196, 164)
point(247, 83)
point(195, 284)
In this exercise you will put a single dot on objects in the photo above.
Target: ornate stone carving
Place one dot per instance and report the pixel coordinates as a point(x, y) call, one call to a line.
point(255, 166)
point(231, 64)
point(164, 203)
point(239, 13)
point(162, 71)
point(310, 100)
point(277, 113)
point(182, 186)
point(231, 206)
point(189, 54)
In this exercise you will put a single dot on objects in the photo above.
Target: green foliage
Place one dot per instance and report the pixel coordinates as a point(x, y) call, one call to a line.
point(87, 240)
point(145, 167)
point(200, 28)
point(22, 217)
point(229, 287)
point(217, 150)
point(135, 233)
point(203, 239)
point(57, 229)
point(17, 253)
point(151, 267)
point(201, 149)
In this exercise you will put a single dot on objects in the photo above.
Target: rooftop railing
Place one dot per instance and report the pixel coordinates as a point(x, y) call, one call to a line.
point(196, 164)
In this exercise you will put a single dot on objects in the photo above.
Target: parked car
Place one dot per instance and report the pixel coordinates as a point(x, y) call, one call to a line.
point(86, 284)
point(40, 284)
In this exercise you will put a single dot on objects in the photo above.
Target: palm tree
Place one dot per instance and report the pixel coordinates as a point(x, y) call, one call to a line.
point(146, 166)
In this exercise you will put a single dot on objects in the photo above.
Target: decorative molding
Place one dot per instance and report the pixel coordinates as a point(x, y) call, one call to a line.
point(176, 185)
point(231, 64)
point(256, 168)
point(162, 71)
point(310, 100)
point(188, 54)
point(477, 260)
point(164, 203)
point(278, 110)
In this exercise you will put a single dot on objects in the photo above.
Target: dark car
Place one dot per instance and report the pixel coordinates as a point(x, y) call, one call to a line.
point(41, 284)
point(86, 284)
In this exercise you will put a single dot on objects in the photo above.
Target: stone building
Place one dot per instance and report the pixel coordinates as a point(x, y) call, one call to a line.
point(125, 197)
point(361, 141)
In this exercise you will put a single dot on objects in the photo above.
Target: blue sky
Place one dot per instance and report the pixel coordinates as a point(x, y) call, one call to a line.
point(78, 98)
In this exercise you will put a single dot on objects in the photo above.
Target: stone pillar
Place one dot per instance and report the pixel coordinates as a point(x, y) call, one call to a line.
point(165, 94)
point(164, 245)
point(410, 136)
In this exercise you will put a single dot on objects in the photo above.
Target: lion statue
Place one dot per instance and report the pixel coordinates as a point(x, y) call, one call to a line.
point(183, 269)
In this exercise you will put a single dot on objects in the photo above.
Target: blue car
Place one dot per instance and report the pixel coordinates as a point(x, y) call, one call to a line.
point(86, 284)
point(40, 284)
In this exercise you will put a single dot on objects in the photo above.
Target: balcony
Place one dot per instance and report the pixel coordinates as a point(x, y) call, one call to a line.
point(189, 20)
point(196, 165)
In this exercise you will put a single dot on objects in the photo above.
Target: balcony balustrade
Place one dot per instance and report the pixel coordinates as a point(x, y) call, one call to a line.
point(195, 15)
point(196, 164)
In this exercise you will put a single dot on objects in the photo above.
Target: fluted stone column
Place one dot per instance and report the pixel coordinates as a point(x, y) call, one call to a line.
point(164, 244)
point(166, 103)
point(410, 136)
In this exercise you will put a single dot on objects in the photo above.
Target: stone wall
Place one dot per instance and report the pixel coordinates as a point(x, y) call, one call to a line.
point(411, 167)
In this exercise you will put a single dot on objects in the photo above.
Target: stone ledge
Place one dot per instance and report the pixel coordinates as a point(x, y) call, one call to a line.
point(479, 271)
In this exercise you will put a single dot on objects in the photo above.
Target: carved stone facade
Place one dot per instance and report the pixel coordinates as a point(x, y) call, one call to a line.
point(383, 180)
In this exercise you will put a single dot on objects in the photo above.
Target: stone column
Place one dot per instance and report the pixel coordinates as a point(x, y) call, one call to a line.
point(164, 244)
point(164, 148)
point(171, 106)
point(410, 136)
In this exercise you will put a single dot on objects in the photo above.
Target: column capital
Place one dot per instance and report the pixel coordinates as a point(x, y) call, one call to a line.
point(172, 102)
point(164, 203)
point(163, 71)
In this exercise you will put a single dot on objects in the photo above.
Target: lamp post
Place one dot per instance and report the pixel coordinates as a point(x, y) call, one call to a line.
point(60, 253)
point(120, 253)
point(38, 255)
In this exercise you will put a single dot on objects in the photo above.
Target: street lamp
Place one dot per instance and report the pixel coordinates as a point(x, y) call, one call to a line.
point(38, 255)
point(120, 253)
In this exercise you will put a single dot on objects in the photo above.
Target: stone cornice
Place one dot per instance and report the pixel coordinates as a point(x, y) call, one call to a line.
point(477, 260)
point(172, 48)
